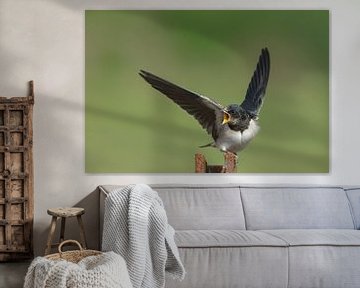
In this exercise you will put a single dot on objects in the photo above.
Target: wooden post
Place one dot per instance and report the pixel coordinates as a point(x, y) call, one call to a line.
point(230, 160)
point(201, 165)
point(31, 92)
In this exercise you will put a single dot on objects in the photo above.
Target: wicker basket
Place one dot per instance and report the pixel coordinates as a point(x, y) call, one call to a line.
point(72, 256)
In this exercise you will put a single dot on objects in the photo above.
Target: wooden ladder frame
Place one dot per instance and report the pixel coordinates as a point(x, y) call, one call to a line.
point(16, 177)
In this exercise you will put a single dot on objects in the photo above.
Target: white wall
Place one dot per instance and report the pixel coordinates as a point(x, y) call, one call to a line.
point(43, 40)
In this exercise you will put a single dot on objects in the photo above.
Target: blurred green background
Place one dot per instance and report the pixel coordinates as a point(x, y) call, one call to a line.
point(132, 128)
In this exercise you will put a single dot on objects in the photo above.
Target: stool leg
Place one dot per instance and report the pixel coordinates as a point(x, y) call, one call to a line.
point(62, 231)
point(82, 232)
point(51, 235)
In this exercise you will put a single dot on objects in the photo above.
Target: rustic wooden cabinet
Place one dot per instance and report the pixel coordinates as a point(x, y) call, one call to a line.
point(16, 177)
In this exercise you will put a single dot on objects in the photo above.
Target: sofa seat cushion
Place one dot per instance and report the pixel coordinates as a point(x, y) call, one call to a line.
point(317, 237)
point(322, 258)
point(226, 238)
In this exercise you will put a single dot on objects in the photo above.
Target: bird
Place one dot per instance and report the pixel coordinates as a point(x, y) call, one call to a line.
point(233, 126)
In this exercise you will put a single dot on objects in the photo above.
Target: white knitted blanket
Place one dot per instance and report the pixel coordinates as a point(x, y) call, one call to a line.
point(136, 227)
point(107, 270)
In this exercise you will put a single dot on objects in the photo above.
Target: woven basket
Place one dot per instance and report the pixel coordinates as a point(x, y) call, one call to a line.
point(72, 256)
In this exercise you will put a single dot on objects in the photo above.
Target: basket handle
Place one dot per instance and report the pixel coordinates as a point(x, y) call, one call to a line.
point(69, 241)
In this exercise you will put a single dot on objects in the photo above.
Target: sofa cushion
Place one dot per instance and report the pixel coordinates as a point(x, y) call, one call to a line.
point(322, 258)
point(218, 267)
point(324, 266)
point(317, 237)
point(226, 238)
point(202, 207)
point(296, 208)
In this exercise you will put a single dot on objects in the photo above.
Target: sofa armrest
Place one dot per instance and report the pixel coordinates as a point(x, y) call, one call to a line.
point(103, 195)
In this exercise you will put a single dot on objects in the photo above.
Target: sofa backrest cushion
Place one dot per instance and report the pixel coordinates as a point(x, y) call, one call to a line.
point(296, 208)
point(203, 207)
point(354, 198)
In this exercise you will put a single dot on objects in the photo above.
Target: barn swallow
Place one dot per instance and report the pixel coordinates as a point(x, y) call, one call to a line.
point(232, 127)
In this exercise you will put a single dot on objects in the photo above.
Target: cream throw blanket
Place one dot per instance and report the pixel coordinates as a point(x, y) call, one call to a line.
point(136, 227)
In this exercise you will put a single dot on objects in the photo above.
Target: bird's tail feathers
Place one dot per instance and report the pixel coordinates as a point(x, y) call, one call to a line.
point(208, 145)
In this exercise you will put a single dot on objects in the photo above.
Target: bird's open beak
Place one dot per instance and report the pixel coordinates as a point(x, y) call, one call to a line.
point(226, 118)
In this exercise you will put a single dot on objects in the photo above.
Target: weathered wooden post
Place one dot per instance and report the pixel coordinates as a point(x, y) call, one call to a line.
point(201, 165)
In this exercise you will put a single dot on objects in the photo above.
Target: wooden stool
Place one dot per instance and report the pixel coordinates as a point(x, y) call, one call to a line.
point(64, 213)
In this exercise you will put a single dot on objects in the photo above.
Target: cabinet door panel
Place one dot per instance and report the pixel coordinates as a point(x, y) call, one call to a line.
point(16, 183)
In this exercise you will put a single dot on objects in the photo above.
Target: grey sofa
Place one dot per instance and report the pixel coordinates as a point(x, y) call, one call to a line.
point(242, 236)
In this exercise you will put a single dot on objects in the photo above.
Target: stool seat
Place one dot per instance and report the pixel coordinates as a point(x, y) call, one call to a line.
point(66, 211)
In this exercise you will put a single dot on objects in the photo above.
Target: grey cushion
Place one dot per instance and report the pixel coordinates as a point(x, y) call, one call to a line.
point(324, 267)
point(318, 237)
point(191, 208)
point(296, 208)
point(220, 267)
point(322, 257)
point(225, 238)
point(354, 198)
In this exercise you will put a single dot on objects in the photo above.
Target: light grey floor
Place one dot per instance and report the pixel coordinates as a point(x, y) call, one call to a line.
point(12, 274)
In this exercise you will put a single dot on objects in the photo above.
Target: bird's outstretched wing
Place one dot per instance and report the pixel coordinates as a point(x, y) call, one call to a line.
point(256, 90)
point(203, 109)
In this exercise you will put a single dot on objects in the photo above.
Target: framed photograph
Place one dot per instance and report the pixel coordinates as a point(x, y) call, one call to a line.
point(140, 63)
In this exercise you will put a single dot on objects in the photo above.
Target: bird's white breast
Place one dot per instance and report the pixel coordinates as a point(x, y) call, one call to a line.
point(235, 141)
